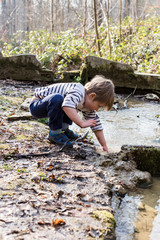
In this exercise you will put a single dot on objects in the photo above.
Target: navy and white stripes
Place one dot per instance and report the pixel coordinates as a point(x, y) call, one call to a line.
point(74, 96)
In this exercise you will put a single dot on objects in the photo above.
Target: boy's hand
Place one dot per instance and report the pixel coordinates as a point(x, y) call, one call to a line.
point(105, 148)
point(88, 123)
point(73, 115)
point(101, 139)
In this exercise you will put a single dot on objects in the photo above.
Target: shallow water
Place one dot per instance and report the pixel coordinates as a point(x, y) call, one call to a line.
point(151, 200)
point(137, 125)
point(138, 215)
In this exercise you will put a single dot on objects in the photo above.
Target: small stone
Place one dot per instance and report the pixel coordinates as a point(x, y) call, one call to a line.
point(142, 207)
point(36, 179)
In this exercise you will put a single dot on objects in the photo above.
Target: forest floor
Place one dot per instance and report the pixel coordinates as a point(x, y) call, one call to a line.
point(49, 193)
point(46, 193)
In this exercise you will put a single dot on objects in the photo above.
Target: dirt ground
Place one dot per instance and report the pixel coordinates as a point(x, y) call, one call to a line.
point(46, 193)
point(51, 193)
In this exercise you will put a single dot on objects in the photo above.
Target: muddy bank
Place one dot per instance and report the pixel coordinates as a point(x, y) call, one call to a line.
point(46, 192)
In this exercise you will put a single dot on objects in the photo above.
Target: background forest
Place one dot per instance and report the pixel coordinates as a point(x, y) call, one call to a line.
point(61, 33)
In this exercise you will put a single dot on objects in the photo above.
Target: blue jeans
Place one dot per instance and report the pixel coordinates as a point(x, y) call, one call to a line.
point(50, 107)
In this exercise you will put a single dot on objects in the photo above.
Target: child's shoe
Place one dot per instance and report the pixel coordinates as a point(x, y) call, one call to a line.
point(70, 134)
point(60, 138)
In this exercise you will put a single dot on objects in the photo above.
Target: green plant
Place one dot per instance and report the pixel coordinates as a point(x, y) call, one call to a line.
point(139, 45)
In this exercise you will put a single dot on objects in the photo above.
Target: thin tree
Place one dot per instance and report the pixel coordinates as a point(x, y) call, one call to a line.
point(127, 7)
point(96, 27)
point(69, 23)
point(62, 17)
point(120, 20)
point(52, 16)
point(85, 19)
point(28, 15)
point(108, 29)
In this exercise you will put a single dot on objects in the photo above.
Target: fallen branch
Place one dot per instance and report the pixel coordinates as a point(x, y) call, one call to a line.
point(132, 93)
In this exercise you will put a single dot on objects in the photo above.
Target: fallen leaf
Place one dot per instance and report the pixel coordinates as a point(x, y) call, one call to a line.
point(50, 168)
point(43, 223)
point(58, 222)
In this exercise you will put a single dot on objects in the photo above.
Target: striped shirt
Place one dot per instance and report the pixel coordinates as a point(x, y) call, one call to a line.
point(74, 97)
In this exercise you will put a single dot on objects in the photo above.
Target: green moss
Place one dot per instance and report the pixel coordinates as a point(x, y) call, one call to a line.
point(22, 170)
point(43, 120)
point(10, 100)
point(4, 146)
point(146, 158)
point(22, 137)
point(6, 193)
point(108, 223)
point(7, 167)
point(105, 217)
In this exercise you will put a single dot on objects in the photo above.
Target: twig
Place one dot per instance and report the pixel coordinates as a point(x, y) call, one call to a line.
point(27, 155)
point(131, 93)
point(64, 145)
point(78, 139)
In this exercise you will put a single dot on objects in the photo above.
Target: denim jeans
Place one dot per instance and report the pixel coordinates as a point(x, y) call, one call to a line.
point(50, 107)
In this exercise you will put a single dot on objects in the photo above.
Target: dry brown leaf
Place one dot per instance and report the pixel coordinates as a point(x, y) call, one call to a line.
point(58, 222)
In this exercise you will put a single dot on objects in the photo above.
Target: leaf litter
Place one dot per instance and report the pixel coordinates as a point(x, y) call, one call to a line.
point(40, 183)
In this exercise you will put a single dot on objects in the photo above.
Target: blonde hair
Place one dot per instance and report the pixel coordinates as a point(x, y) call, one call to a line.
point(104, 89)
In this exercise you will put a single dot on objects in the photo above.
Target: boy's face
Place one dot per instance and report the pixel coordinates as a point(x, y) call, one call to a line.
point(92, 104)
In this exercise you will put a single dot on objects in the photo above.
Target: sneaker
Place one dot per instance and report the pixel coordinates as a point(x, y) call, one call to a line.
point(60, 138)
point(70, 134)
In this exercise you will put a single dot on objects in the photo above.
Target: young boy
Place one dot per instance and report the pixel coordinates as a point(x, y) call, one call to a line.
point(60, 102)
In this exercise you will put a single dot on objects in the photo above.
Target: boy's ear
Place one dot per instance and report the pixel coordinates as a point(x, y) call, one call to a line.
point(92, 95)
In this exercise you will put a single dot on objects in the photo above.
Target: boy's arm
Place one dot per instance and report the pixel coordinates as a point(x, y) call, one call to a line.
point(101, 139)
point(73, 115)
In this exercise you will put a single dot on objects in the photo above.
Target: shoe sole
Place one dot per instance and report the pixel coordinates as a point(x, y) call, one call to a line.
point(59, 143)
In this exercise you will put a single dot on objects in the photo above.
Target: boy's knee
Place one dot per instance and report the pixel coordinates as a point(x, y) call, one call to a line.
point(58, 99)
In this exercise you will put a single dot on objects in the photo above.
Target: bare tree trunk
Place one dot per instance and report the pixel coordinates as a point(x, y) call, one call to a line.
point(136, 9)
point(96, 27)
point(68, 14)
point(15, 16)
point(108, 29)
point(85, 19)
point(57, 15)
point(62, 18)
point(120, 20)
point(127, 7)
point(52, 16)
point(100, 12)
point(28, 15)
point(9, 19)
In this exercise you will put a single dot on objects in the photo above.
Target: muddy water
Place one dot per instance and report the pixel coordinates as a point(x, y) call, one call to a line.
point(137, 125)
point(138, 215)
point(148, 218)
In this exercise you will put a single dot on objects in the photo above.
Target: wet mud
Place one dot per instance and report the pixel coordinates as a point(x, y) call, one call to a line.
point(46, 193)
